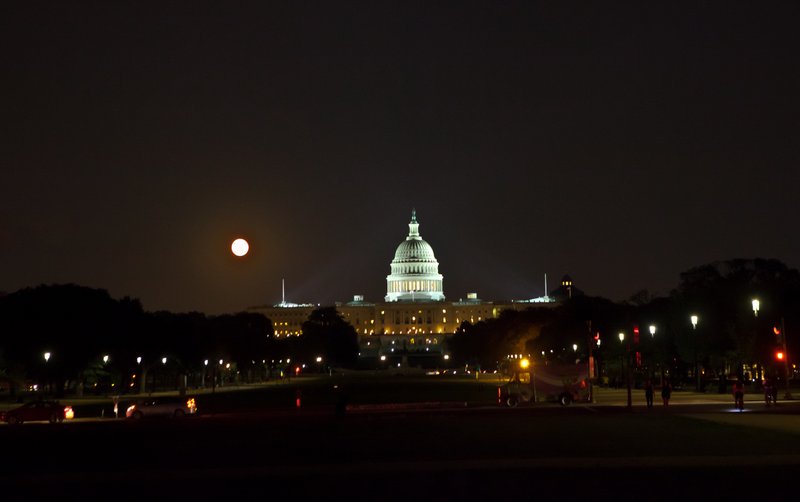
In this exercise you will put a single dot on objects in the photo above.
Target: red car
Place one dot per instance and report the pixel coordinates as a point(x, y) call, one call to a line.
point(38, 410)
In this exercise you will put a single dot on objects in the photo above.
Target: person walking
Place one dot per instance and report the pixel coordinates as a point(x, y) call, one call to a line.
point(648, 392)
point(666, 392)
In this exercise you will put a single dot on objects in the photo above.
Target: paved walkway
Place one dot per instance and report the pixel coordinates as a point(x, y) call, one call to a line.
point(619, 397)
point(755, 413)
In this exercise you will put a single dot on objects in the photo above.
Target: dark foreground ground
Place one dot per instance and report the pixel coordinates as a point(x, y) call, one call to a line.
point(602, 452)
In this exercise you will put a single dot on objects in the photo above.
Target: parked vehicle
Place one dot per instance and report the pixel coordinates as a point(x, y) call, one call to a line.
point(50, 411)
point(561, 383)
point(170, 407)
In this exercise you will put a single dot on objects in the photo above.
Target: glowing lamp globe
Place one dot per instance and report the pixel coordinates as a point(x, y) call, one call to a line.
point(240, 247)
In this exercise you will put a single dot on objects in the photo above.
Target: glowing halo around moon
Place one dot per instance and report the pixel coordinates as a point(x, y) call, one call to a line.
point(240, 247)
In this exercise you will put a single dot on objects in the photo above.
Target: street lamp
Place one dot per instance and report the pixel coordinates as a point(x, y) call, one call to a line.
point(694, 320)
point(139, 360)
point(627, 373)
point(47, 358)
point(652, 329)
point(574, 347)
point(756, 306)
point(163, 360)
point(105, 359)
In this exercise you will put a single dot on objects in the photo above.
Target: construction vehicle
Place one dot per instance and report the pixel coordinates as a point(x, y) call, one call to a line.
point(550, 382)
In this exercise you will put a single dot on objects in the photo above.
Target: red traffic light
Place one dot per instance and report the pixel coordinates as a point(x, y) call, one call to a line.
point(779, 355)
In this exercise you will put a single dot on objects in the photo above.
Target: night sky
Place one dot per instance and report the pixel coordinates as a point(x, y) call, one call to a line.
point(621, 143)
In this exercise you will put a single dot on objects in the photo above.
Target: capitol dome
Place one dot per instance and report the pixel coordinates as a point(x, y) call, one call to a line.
point(415, 272)
point(414, 251)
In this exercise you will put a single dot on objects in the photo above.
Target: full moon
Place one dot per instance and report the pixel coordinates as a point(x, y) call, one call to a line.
point(240, 247)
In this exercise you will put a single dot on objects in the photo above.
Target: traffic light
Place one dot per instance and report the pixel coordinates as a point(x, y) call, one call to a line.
point(777, 331)
point(597, 338)
point(636, 335)
point(779, 355)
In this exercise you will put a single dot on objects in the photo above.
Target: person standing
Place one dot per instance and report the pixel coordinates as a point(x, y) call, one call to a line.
point(648, 392)
point(770, 392)
point(666, 392)
point(738, 394)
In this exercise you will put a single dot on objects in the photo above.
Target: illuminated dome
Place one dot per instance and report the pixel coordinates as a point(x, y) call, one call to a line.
point(414, 251)
point(415, 272)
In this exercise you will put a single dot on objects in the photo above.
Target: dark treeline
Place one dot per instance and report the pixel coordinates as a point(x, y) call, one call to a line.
point(729, 339)
point(78, 327)
point(98, 344)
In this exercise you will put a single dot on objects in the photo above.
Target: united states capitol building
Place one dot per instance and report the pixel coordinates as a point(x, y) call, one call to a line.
point(414, 315)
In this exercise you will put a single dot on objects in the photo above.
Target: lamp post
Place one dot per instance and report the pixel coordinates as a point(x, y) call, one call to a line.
point(694, 320)
point(628, 372)
point(652, 329)
point(46, 372)
point(143, 375)
point(756, 307)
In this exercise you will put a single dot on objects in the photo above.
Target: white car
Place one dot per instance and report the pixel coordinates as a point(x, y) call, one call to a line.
point(170, 407)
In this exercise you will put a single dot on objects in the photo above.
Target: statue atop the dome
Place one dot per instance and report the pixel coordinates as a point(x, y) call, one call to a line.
point(413, 226)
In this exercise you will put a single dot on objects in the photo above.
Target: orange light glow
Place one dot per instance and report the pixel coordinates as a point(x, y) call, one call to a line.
point(779, 356)
point(68, 413)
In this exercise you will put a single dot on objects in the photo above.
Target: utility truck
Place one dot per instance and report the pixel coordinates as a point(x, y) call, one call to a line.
point(548, 382)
